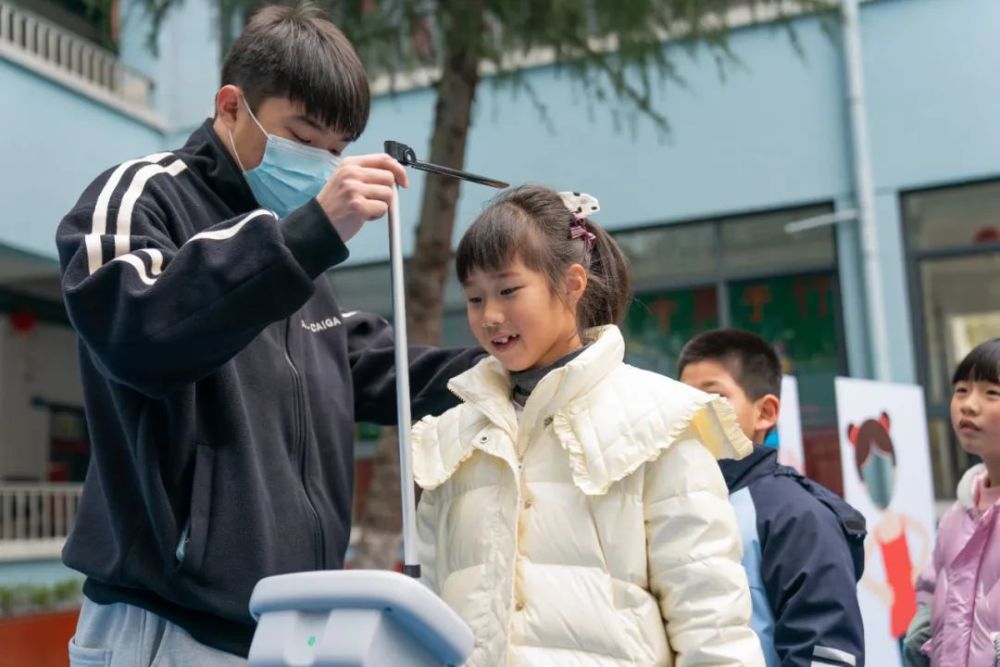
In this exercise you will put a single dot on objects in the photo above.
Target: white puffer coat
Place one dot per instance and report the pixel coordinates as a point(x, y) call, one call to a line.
point(595, 529)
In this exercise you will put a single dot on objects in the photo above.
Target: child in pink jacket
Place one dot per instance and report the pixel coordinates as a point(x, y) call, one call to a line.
point(961, 587)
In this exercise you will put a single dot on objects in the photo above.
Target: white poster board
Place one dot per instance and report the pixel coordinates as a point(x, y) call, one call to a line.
point(790, 450)
point(883, 431)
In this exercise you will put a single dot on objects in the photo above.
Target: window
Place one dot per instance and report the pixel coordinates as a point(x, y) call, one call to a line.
point(90, 20)
point(69, 446)
point(953, 236)
point(742, 271)
point(751, 243)
point(746, 272)
point(799, 315)
point(661, 322)
point(960, 217)
point(367, 287)
point(961, 304)
point(687, 253)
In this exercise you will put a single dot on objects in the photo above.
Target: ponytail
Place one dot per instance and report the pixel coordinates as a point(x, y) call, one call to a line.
point(609, 282)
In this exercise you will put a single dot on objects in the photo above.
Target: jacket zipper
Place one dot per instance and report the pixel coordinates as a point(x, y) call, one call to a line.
point(515, 588)
point(300, 445)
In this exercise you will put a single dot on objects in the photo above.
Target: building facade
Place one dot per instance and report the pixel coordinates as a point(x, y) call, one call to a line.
point(704, 211)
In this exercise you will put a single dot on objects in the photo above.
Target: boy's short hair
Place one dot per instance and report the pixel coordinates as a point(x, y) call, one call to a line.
point(297, 53)
point(750, 359)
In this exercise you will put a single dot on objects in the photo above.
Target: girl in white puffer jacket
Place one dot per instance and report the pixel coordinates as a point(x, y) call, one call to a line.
point(573, 512)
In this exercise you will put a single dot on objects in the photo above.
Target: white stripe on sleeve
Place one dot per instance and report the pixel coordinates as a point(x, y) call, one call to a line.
point(123, 229)
point(138, 265)
point(99, 225)
point(149, 277)
point(229, 232)
point(156, 260)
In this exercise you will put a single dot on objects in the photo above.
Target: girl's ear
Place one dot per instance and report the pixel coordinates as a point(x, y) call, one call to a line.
point(576, 283)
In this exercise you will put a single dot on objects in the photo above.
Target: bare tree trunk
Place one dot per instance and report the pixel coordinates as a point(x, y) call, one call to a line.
point(432, 256)
point(380, 539)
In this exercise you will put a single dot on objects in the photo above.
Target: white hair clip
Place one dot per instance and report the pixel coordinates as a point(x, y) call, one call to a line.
point(580, 204)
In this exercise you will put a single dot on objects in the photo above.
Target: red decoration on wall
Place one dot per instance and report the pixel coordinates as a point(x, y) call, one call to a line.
point(706, 307)
point(987, 235)
point(663, 310)
point(757, 297)
point(802, 296)
point(23, 322)
point(824, 285)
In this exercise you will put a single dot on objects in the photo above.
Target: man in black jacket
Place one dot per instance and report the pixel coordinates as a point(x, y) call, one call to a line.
point(222, 379)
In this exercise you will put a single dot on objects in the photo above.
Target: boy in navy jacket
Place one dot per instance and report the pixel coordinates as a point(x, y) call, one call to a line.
point(803, 547)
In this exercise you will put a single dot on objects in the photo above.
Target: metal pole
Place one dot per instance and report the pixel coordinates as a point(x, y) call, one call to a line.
point(408, 158)
point(865, 192)
point(410, 564)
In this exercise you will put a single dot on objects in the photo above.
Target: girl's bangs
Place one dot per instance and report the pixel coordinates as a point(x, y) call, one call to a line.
point(980, 365)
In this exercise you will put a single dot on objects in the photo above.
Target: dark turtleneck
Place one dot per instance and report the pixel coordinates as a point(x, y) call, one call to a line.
point(525, 381)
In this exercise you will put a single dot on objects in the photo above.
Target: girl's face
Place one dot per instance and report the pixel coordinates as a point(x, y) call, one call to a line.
point(975, 416)
point(516, 316)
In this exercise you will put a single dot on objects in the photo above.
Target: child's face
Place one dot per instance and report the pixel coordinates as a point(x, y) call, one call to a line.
point(756, 418)
point(975, 416)
point(517, 318)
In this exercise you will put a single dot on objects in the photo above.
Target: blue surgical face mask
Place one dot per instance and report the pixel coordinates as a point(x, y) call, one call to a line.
point(289, 174)
point(878, 474)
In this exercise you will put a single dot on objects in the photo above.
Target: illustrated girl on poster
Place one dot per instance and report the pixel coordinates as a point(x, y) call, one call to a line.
point(875, 460)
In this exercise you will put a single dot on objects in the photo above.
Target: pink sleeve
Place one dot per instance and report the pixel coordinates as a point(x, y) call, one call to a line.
point(926, 581)
point(928, 577)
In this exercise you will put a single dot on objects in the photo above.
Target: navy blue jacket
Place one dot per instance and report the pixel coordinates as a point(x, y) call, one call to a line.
point(803, 550)
point(222, 382)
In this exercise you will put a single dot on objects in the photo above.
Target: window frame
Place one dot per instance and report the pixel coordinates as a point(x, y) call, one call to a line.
point(915, 258)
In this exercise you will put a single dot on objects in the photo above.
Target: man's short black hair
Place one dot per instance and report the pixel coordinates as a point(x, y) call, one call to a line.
point(297, 53)
point(750, 359)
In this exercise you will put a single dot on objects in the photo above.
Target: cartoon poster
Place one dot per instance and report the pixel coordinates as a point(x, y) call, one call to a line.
point(885, 455)
point(790, 452)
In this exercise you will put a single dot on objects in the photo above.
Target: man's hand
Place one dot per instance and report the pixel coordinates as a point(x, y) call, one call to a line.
point(360, 190)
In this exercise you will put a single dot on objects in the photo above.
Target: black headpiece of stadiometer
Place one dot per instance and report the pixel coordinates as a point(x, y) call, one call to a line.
point(406, 157)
